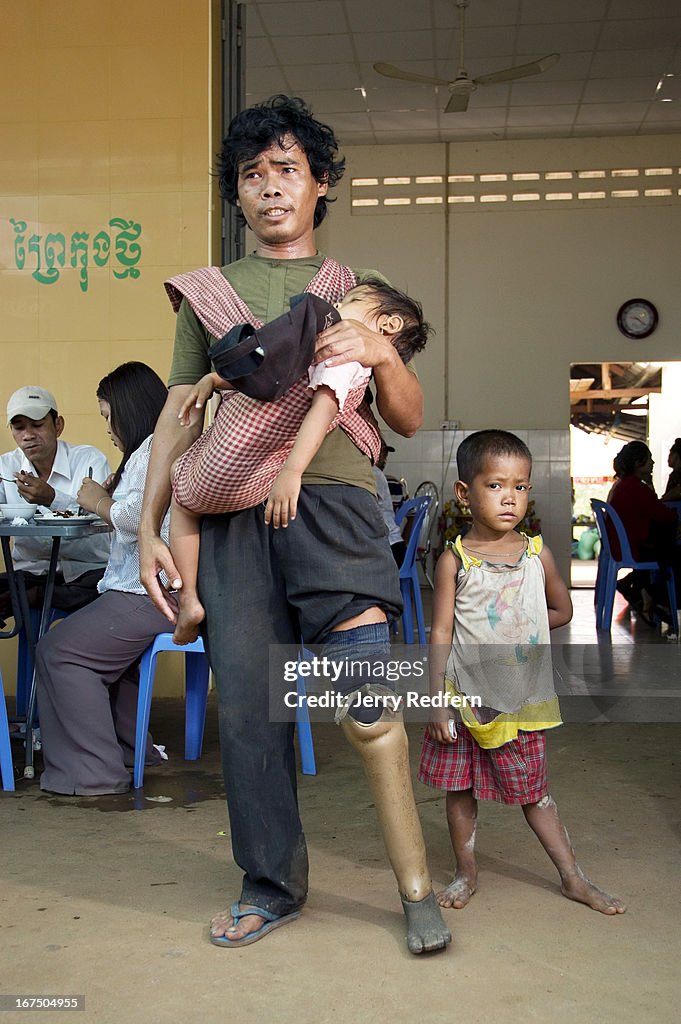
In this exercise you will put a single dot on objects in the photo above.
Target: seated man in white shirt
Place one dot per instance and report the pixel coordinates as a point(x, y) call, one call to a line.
point(48, 472)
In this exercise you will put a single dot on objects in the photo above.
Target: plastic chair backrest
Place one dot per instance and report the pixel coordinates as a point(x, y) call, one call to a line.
point(603, 513)
point(598, 509)
point(429, 488)
point(419, 507)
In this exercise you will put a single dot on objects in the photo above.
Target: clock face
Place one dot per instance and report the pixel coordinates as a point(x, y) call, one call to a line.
point(637, 318)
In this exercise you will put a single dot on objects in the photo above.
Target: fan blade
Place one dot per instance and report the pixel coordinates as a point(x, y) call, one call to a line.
point(458, 103)
point(390, 71)
point(535, 67)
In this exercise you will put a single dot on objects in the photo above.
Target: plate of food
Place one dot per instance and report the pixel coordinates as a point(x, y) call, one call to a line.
point(67, 516)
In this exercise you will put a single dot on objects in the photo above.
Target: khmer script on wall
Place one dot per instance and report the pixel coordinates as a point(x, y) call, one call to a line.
point(52, 252)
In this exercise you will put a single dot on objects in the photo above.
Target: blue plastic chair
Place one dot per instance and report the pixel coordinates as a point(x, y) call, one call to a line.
point(197, 671)
point(303, 728)
point(607, 583)
point(6, 765)
point(409, 577)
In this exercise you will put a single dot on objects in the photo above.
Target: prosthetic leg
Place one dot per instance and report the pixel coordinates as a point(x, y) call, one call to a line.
point(383, 747)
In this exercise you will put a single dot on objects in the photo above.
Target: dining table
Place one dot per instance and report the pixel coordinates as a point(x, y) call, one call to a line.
point(57, 528)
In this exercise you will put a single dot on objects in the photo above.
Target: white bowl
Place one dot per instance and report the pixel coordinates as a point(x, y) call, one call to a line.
point(23, 511)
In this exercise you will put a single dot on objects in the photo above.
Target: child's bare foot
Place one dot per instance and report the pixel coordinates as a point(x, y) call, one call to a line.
point(189, 617)
point(578, 887)
point(458, 892)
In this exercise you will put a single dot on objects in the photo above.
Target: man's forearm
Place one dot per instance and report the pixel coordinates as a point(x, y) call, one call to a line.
point(399, 397)
point(171, 439)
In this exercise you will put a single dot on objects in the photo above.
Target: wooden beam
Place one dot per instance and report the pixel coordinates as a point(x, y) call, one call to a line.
point(602, 407)
point(612, 394)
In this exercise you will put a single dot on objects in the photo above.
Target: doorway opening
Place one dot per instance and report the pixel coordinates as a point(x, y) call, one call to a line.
point(611, 404)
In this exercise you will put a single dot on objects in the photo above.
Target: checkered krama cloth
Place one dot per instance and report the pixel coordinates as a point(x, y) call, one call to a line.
point(233, 465)
point(515, 773)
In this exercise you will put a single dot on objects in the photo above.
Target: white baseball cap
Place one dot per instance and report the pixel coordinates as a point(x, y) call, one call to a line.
point(32, 402)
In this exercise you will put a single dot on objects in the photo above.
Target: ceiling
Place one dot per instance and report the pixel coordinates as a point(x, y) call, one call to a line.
point(613, 398)
point(619, 72)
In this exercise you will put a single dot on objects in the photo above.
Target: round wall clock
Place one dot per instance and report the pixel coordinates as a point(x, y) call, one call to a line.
point(637, 318)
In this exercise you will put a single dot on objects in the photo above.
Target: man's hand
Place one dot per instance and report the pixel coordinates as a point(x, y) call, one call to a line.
point(34, 490)
point(170, 440)
point(399, 398)
point(350, 341)
point(155, 557)
point(282, 503)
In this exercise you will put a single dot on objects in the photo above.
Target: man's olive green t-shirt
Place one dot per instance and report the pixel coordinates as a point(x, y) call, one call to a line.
point(266, 286)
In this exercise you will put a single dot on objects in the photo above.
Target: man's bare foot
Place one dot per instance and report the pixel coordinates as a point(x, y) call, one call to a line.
point(223, 924)
point(578, 887)
point(458, 892)
point(426, 931)
point(190, 615)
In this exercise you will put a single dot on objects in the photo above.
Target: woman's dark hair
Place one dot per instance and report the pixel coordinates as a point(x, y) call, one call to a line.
point(136, 394)
point(392, 302)
point(265, 124)
point(629, 457)
point(676, 447)
point(485, 444)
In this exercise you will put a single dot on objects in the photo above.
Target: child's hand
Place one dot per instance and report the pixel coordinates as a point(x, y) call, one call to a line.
point(442, 727)
point(282, 503)
point(198, 396)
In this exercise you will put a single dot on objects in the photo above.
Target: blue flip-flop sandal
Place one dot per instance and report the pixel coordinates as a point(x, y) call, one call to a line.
point(271, 922)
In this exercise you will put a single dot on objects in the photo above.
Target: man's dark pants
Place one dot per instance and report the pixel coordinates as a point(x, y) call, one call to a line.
point(264, 587)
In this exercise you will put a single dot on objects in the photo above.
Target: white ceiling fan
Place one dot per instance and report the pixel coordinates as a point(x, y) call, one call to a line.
point(463, 85)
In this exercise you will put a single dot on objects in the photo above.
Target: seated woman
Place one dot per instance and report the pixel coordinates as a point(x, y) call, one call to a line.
point(88, 664)
point(650, 525)
point(672, 491)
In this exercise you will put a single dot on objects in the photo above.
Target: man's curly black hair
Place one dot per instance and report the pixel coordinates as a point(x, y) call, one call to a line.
point(257, 128)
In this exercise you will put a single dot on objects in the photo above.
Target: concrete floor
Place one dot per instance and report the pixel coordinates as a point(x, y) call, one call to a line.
point(109, 897)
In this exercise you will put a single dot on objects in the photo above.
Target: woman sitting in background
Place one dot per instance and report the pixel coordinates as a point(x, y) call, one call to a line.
point(672, 491)
point(88, 664)
point(650, 525)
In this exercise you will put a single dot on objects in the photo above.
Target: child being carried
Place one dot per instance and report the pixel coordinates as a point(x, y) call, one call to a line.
point(224, 471)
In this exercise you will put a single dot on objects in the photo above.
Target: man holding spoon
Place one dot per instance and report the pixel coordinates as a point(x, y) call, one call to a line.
point(43, 470)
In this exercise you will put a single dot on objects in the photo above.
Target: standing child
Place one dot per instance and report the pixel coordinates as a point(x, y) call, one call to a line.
point(219, 473)
point(497, 594)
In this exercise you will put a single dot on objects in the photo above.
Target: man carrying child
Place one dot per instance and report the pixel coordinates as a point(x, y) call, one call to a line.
point(330, 576)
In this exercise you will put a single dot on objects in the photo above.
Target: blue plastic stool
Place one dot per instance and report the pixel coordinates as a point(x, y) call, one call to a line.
point(6, 765)
point(409, 576)
point(196, 689)
point(196, 670)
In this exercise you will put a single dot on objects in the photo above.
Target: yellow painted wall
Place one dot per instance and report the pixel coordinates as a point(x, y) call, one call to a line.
point(104, 129)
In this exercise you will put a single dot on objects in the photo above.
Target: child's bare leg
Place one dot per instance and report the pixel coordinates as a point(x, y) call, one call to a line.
point(544, 820)
point(184, 545)
point(462, 818)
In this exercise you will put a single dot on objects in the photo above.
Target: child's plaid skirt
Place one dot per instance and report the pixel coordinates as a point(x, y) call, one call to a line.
point(515, 773)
